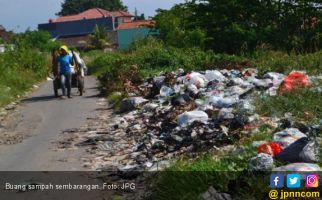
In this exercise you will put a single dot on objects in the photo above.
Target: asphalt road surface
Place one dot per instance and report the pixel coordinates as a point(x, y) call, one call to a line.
point(39, 120)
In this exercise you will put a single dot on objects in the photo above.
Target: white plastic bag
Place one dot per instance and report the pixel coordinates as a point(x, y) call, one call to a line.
point(223, 102)
point(198, 80)
point(288, 136)
point(187, 118)
point(215, 75)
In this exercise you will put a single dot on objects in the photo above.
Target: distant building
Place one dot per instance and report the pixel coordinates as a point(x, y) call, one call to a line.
point(4, 35)
point(128, 32)
point(74, 30)
point(4, 38)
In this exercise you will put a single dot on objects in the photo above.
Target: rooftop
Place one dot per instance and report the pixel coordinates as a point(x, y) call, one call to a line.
point(91, 14)
point(136, 24)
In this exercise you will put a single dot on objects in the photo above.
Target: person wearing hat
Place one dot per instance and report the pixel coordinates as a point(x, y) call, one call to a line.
point(65, 60)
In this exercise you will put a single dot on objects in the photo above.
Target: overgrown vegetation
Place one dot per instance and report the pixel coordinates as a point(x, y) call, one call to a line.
point(241, 26)
point(26, 63)
point(40, 40)
point(72, 7)
point(98, 40)
point(303, 104)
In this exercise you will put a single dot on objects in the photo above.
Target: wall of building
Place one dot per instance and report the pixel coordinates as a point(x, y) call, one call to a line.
point(2, 48)
point(127, 36)
point(80, 27)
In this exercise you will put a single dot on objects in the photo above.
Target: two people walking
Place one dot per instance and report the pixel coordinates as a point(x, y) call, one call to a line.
point(69, 70)
point(65, 61)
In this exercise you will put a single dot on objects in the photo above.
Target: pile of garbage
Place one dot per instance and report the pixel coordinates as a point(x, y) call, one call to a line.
point(182, 113)
point(297, 148)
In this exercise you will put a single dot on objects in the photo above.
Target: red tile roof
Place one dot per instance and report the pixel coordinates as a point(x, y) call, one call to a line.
point(91, 14)
point(136, 24)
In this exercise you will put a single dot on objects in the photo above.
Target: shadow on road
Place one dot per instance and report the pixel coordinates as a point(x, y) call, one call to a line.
point(39, 98)
point(93, 96)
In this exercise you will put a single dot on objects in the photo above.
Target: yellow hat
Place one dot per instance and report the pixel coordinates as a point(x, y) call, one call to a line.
point(64, 47)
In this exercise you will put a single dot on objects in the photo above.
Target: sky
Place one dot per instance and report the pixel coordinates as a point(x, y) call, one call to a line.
point(18, 15)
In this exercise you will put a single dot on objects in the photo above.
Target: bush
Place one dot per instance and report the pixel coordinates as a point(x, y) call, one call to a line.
point(19, 70)
point(285, 63)
point(40, 40)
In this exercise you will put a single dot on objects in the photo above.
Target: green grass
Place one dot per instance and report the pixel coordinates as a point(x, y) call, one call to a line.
point(298, 103)
point(268, 61)
point(19, 70)
point(115, 99)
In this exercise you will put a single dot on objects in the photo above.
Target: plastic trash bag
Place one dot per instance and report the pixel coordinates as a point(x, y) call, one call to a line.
point(288, 136)
point(277, 78)
point(223, 102)
point(310, 152)
point(193, 89)
point(198, 80)
point(294, 81)
point(291, 154)
point(212, 75)
point(246, 106)
point(270, 148)
point(261, 83)
point(189, 117)
point(166, 91)
point(132, 103)
point(299, 167)
point(181, 100)
point(225, 113)
point(261, 162)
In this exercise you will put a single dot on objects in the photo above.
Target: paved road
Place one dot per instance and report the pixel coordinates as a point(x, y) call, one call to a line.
point(44, 117)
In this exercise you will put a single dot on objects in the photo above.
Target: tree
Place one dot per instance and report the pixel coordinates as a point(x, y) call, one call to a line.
point(137, 16)
point(99, 38)
point(177, 27)
point(71, 7)
point(40, 40)
point(237, 26)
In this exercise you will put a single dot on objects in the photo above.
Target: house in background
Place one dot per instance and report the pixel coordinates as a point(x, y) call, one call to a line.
point(75, 30)
point(4, 37)
point(128, 32)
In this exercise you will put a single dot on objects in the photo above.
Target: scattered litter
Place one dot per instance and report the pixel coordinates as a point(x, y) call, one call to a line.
point(270, 148)
point(261, 162)
point(132, 103)
point(291, 153)
point(182, 113)
point(166, 91)
point(212, 194)
point(299, 167)
point(189, 117)
point(288, 136)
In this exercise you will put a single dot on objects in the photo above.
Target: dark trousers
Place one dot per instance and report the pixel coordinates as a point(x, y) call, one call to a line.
point(66, 81)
